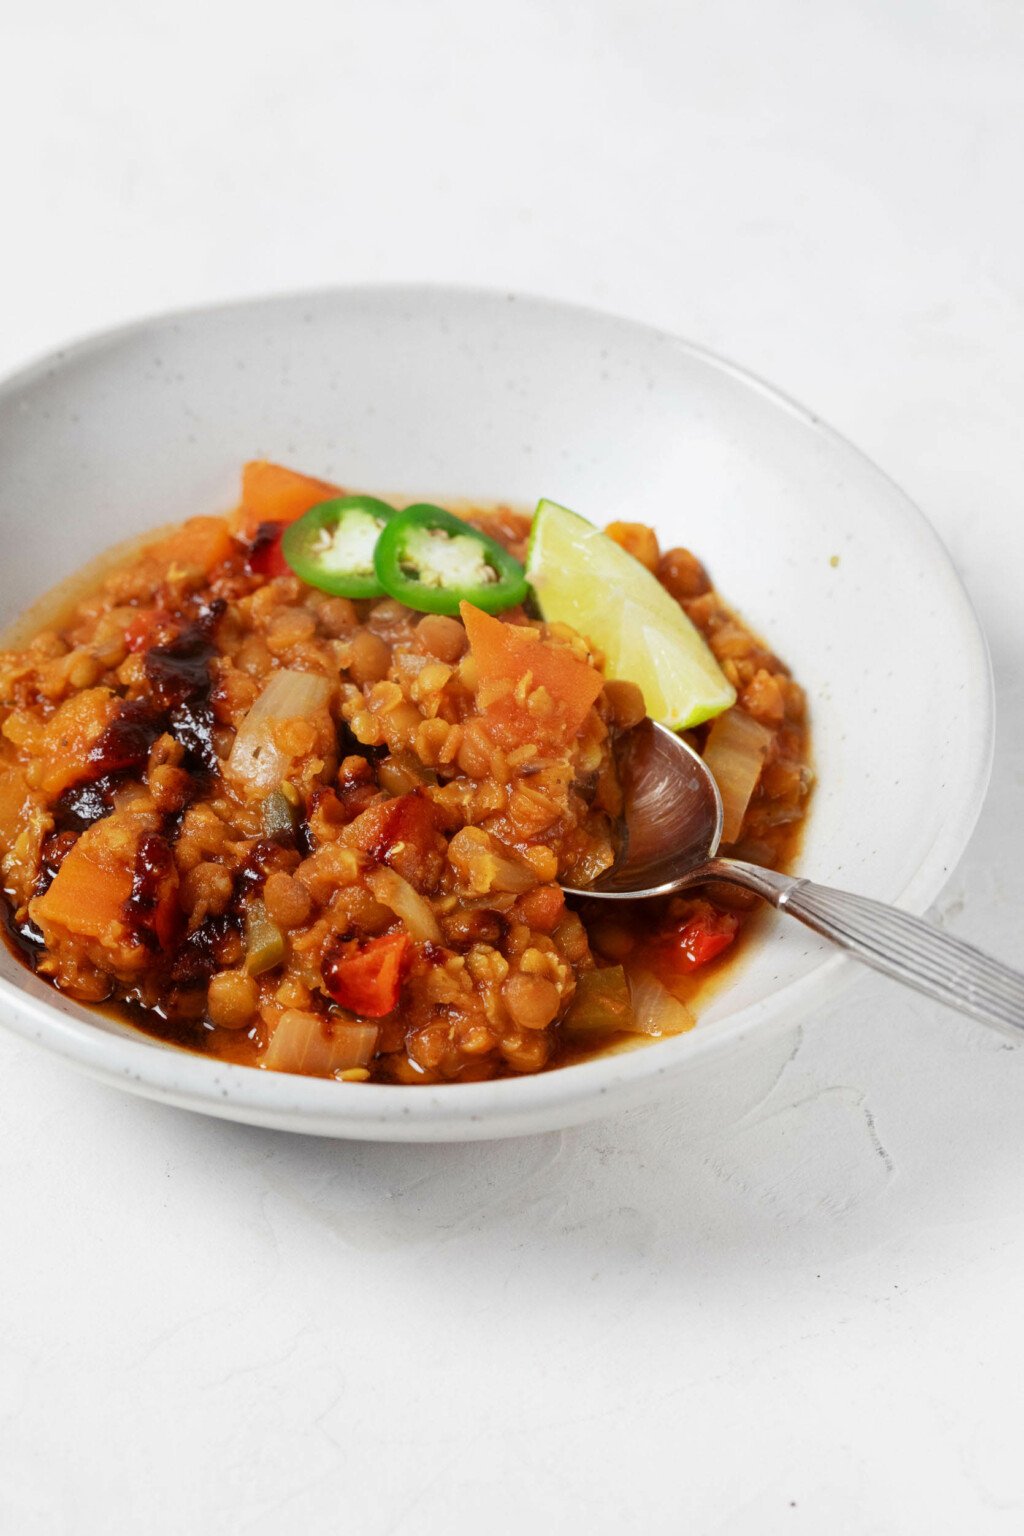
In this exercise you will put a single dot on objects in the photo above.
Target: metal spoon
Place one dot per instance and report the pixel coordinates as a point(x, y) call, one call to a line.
point(672, 828)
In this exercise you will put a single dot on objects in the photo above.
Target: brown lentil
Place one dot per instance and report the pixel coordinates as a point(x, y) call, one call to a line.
point(637, 540)
point(231, 999)
point(287, 901)
point(437, 635)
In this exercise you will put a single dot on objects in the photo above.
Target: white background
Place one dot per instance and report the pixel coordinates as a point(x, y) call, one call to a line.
point(800, 1312)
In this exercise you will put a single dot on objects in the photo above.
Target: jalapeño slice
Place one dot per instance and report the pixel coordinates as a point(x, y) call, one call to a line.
point(432, 561)
point(331, 546)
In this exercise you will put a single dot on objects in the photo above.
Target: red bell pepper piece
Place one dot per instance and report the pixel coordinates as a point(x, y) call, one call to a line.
point(696, 940)
point(266, 558)
point(365, 975)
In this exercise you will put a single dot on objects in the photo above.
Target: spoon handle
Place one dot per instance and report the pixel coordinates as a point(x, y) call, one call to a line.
point(892, 941)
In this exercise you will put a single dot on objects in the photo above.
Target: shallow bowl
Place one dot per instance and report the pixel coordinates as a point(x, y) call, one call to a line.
point(454, 393)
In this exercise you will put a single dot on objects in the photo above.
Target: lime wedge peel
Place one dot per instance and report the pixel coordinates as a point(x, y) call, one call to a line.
point(583, 578)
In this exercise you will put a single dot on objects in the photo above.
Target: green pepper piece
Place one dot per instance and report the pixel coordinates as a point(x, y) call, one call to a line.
point(331, 546)
point(600, 1004)
point(433, 561)
point(264, 941)
point(280, 812)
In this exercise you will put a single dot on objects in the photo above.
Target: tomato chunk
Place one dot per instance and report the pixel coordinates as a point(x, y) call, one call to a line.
point(403, 833)
point(365, 975)
point(143, 630)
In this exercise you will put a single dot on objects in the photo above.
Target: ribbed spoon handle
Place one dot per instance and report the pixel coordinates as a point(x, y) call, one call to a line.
point(904, 947)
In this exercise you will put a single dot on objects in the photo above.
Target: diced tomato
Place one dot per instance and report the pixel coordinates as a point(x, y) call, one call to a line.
point(695, 941)
point(406, 820)
point(142, 630)
point(402, 833)
point(365, 975)
point(266, 557)
point(154, 916)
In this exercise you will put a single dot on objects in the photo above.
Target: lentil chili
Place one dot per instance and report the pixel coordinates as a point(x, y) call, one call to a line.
point(292, 828)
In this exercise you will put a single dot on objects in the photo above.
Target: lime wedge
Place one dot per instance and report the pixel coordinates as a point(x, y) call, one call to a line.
point(583, 578)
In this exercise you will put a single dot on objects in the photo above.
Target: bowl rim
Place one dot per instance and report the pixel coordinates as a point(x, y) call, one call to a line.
point(320, 1106)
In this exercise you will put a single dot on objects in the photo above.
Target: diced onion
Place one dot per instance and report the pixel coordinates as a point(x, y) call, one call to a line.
point(401, 773)
point(735, 753)
point(303, 1042)
point(406, 903)
point(509, 875)
point(256, 760)
point(483, 864)
point(655, 1010)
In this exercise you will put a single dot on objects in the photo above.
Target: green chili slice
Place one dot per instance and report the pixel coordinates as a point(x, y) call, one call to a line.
point(433, 561)
point(331, 546)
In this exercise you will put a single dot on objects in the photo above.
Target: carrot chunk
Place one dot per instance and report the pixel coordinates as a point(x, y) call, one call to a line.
point(273, 494)
point(72, 734)
point(89, 891)
point(201, 541)
point(93, 892)
point(525, 682)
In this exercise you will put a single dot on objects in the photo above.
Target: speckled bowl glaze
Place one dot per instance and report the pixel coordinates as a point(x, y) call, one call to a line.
point(448, 392)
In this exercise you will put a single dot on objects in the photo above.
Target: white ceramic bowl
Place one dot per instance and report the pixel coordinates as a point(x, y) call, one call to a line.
point(447, 392)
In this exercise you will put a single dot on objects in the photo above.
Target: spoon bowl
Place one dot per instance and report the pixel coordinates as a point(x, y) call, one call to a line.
point(672, 816)
point(670, 835)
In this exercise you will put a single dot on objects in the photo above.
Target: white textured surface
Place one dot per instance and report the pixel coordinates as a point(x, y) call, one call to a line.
point(801, 1311)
